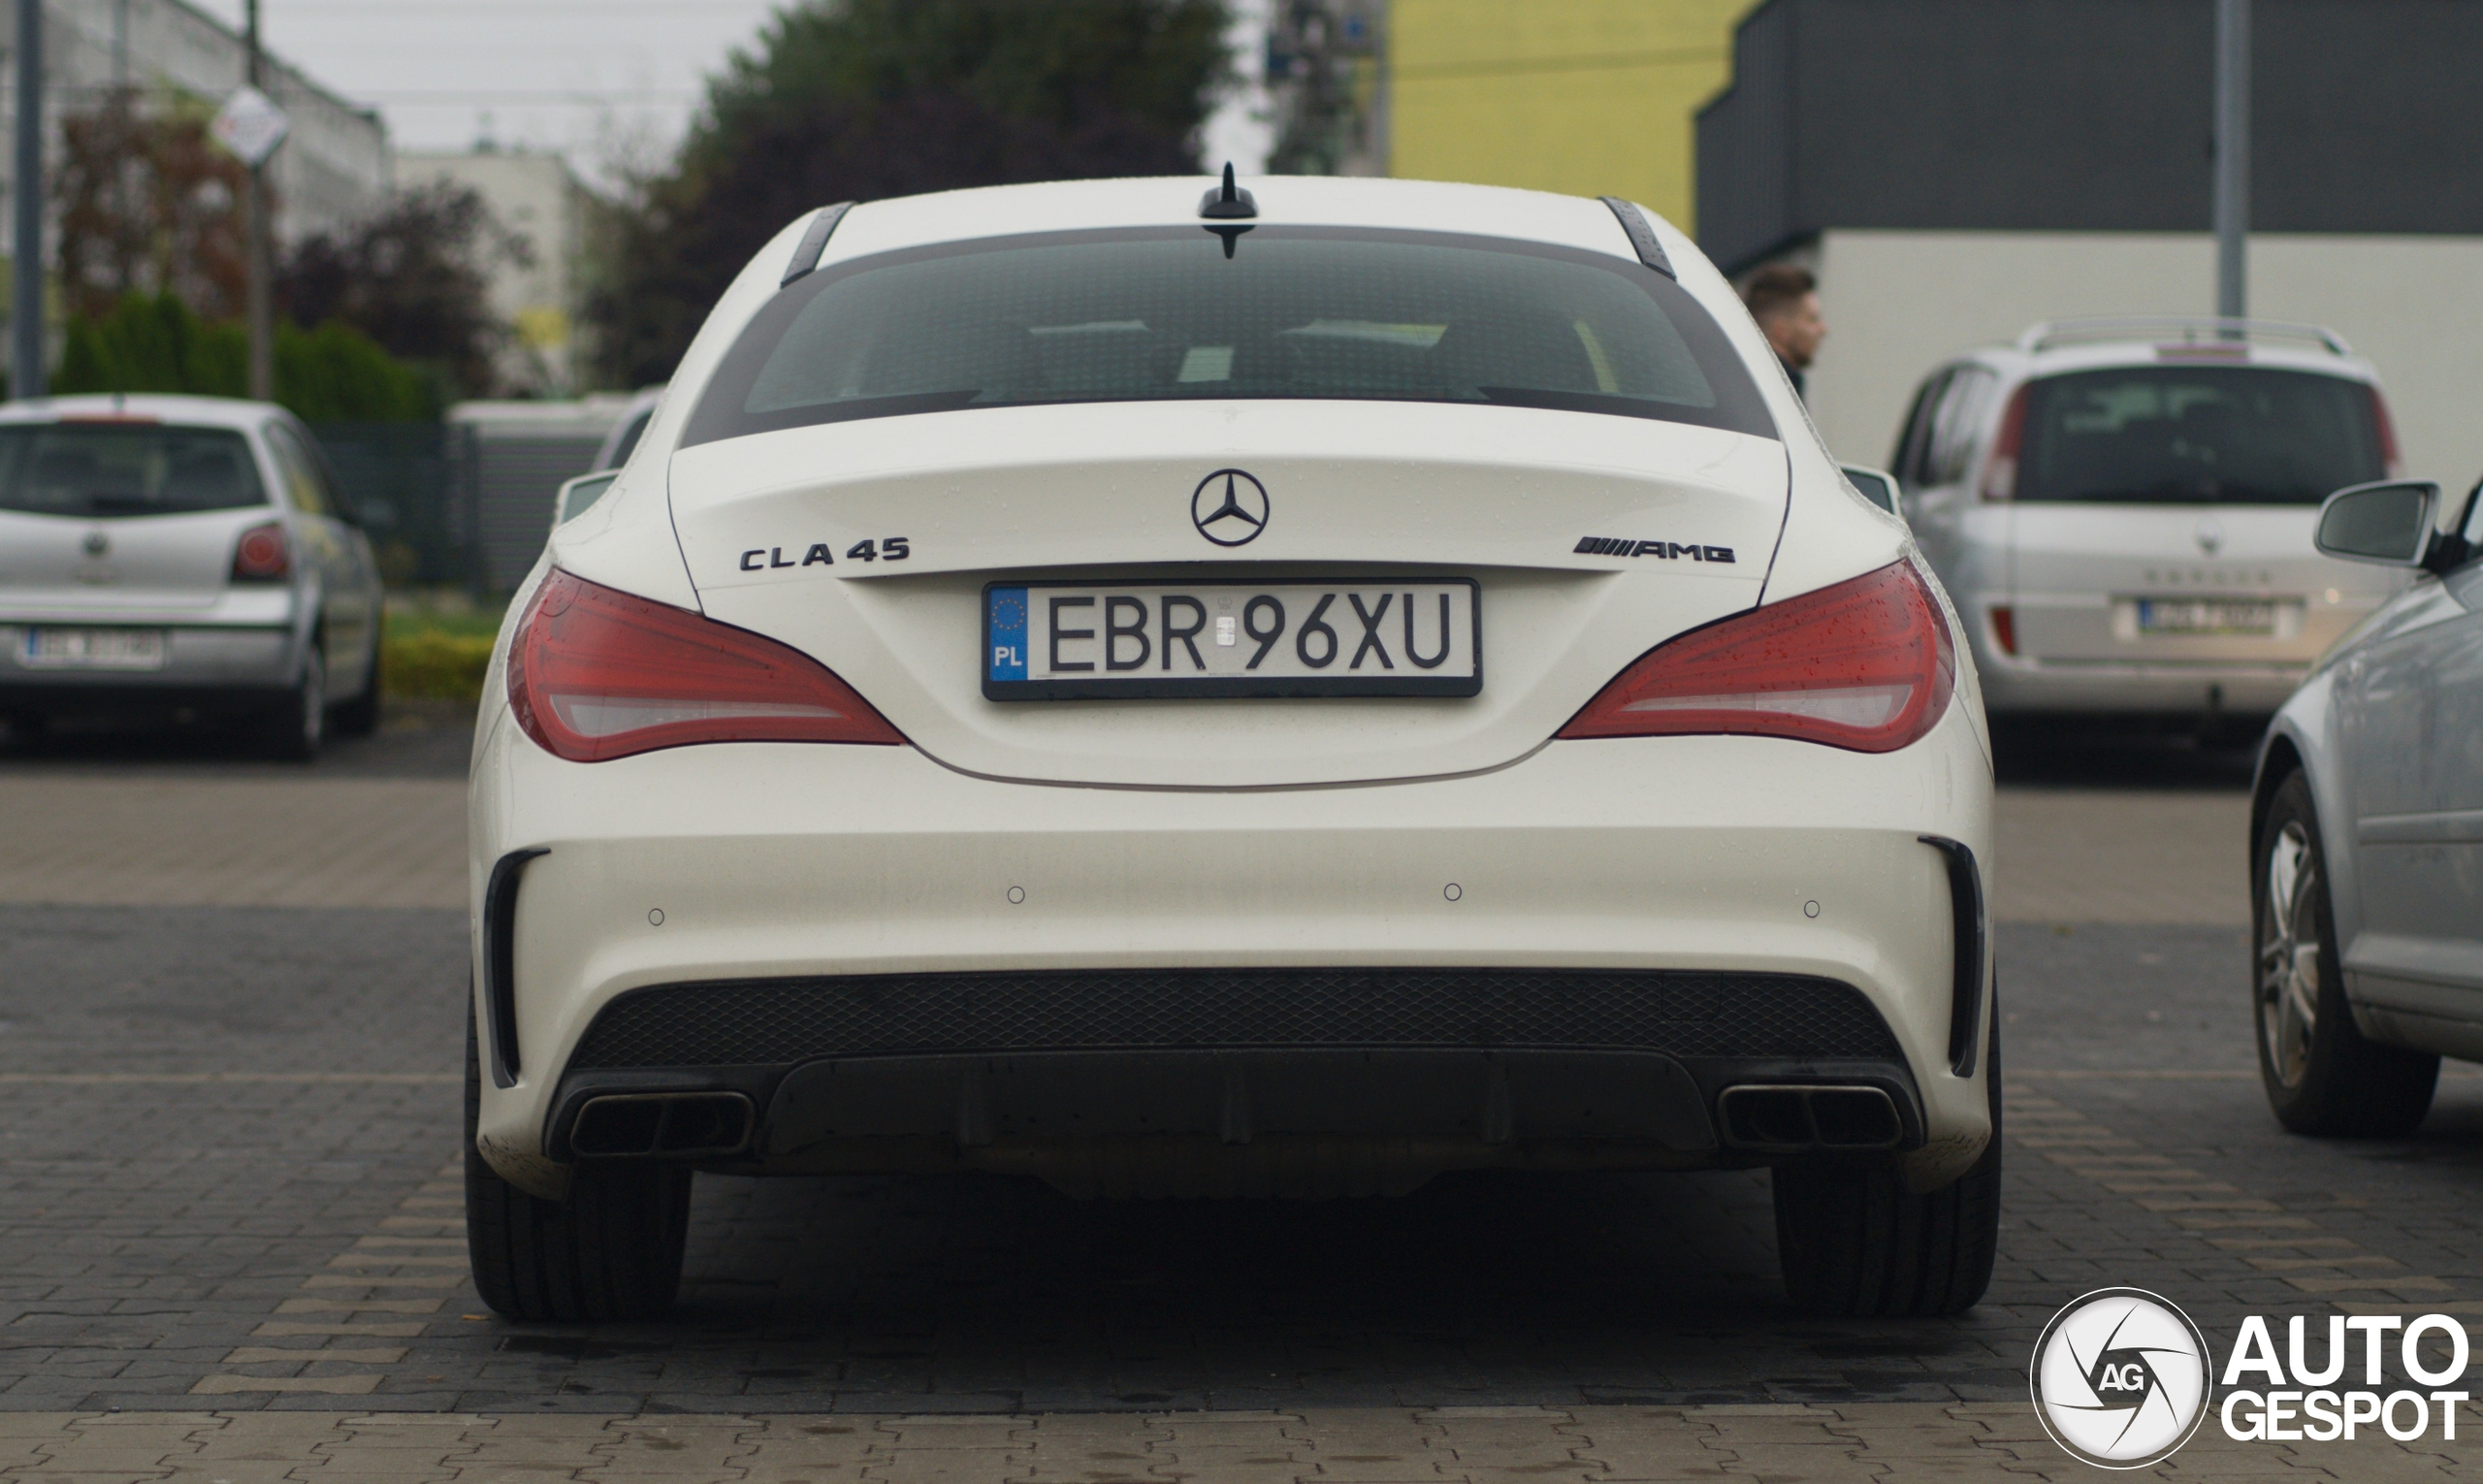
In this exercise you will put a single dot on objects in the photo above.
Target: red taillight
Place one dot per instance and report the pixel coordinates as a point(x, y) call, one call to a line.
point(1865, 665)
point(595, 674)
point(262, 555)
point(2004, 628)
point(2000, 470)
point(2387, 433)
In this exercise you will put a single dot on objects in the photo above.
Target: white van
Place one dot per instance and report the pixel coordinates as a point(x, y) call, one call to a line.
point(2122, 510)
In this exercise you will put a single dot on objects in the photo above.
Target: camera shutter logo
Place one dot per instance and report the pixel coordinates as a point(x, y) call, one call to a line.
point(2120, 1378)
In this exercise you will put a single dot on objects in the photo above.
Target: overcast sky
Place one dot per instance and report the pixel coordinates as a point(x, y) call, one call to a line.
point(608, 82)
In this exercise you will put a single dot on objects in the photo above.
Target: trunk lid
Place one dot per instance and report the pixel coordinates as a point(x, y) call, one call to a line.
point(139, 565)
point(1503, 496)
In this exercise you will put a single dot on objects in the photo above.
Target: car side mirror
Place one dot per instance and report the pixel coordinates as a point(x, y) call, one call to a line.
point(578, 494)
point(2388, 524)
point(1877, 486)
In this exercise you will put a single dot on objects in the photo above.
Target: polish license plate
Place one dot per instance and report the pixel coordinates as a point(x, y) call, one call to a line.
point(91, 648)
point(2186, 615)
point(1126, 641)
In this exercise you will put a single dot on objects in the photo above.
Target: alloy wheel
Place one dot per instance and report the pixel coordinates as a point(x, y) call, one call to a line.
point(2289, 955)
point(314, 697)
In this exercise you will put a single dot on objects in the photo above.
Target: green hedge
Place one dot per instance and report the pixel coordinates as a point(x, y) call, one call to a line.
point(154, 344)
point(430, 663)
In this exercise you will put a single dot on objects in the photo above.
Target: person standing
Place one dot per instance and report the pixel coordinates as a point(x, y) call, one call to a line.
point(1784, 300)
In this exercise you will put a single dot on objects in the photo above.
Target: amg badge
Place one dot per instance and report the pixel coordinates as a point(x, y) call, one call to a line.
point(1607, 546)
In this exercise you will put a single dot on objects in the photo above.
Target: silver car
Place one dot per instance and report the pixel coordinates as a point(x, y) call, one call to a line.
point(2121, 510)
point(170, 555)
point(2367, 831)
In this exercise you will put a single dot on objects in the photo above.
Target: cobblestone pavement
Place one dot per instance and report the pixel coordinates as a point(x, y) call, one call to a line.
point(1897, 1441)
point(224, 1182)
point(416, 739)
point(155, 817)
point(227, 1208)
point(2074, 855)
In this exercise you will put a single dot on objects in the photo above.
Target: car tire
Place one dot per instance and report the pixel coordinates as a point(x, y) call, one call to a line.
point(296, 725)
point(1852, 1241)
point(2322, 1075)
point(611, 1251)
point(360, 716)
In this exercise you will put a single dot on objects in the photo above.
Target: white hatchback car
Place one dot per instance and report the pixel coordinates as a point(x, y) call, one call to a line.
point(165, 554)
point(1234, 696)
point(2122, 510)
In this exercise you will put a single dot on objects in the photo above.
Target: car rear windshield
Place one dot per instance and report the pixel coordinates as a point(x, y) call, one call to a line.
point(104, 470)
point(1167, 314)
point(2196, 434)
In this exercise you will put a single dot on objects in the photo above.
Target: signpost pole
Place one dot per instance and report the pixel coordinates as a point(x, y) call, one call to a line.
point(25, 298)
point(2232, 157)
point(257, 309)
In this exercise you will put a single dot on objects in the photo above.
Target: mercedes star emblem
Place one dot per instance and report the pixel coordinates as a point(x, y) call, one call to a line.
point(1229, 507)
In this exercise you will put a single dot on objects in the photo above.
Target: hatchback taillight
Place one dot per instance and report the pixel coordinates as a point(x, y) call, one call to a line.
point(1864, 664)
point(595, 674)
point(262, 555)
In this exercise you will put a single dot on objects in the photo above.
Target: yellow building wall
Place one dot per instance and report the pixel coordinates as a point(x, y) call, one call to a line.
point(1589, 97)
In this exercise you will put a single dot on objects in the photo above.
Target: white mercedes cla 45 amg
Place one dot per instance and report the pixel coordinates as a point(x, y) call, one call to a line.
point(1284, 694)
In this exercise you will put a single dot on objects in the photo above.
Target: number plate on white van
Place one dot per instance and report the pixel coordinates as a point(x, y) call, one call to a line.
point(2183, 615)
point(1357, 637)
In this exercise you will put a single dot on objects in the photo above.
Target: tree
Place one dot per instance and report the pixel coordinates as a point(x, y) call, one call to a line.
point(862, 99)
point(415, 278)
point(149, 204)
point(1322, 61)
point(151, 342)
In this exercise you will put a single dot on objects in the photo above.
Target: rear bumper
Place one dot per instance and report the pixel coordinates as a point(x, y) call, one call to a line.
point(201, 665)
point(898, 965)
point(2079, 650)
point(1064, 1073)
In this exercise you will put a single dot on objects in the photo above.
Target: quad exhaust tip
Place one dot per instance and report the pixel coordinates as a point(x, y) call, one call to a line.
point(662, 1125)
point(1803, 1120)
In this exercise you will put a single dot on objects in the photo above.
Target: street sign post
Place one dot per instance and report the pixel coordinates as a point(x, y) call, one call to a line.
point(2232, 191)
point(26, 344)
point(250, 125)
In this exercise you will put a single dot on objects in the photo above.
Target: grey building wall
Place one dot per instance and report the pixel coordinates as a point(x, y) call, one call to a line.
point(2060, 116)
point(332, 168)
